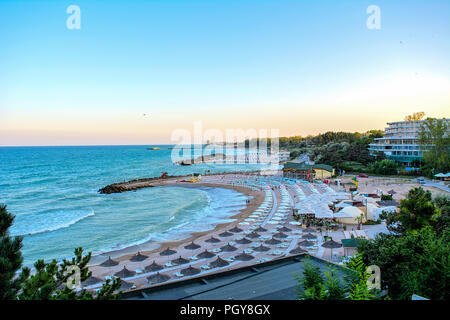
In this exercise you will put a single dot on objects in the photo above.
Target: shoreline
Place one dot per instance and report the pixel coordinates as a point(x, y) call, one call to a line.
point(150, 246)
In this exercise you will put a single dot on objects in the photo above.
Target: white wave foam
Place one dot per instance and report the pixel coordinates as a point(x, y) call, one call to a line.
point(48, 221)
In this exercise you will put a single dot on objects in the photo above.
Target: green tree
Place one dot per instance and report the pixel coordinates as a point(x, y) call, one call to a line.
point(416, 210)
point(385, 166)
point(415, 259)
point(357, 281)
point(413, 263)
point(313, 285)
point(434, 139)
point(441, 219)
point(415, 116)
point(10, 257)
point(50, 281)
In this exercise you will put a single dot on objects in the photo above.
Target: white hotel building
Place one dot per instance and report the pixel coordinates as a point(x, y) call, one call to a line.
point(400, 141)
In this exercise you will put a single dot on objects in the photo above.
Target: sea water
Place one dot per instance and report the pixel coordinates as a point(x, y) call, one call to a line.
point(53, 192)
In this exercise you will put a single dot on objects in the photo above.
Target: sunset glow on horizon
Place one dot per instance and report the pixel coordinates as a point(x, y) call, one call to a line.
point(136, 71)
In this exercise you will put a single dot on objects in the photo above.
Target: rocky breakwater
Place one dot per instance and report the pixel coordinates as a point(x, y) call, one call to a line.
point(134, 185)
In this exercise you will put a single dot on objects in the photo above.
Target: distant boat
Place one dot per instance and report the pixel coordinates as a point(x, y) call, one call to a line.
point(185, 164)
point(154, 148)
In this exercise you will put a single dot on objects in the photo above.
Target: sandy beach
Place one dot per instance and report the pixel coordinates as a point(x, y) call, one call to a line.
point(268, 213)
point(233, 245)
point(151, 247)
point(384, 184)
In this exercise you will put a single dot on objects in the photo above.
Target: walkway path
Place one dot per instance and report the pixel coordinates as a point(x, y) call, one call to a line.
point(274, 208)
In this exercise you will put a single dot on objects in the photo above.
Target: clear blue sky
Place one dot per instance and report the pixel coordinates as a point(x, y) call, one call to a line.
point(298, 66)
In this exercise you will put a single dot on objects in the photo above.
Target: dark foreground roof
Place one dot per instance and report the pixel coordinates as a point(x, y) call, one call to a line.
point(273, 280)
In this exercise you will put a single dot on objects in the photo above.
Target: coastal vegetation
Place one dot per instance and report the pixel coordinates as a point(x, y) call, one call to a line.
point(436, 154)
point(342, 150)
point(50, 281)
point(315, 285)
point(346, 151)
point(414, 257)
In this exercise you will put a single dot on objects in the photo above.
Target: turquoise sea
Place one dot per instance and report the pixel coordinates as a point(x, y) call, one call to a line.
point(53, 193)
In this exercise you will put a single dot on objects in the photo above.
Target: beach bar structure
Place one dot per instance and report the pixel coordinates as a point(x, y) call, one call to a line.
point(350, 246)
point(301, 170)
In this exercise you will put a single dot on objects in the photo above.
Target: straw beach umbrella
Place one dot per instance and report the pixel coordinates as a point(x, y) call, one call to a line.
point(392, 192)
point(272, 241)
point(190, 271)
point(153, 267)
point(167, 252)
point(253, 235)
point(298, 250)
point(236, 230)
point(244, 257)
point(225, 234)
point(91, 281)
point(228, 248)
point(126, 285)
point(308, 236)
point(125, 273)
point(158, 278)
point(284, 229)
point(243, 241)
point(261, 248)
point(212, 240)
point(306, 243)
point(109, 263)
point(180, 261)
point(331, 244)
point(280, 235)
point(219, 262)
point(205, 254)
point(192, 246)
point(138, 257)
point(260, 229)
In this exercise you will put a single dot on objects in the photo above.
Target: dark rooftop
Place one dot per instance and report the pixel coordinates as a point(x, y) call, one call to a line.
point(272, 280)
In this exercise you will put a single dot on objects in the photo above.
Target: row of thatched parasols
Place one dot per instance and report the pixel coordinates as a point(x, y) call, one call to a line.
point(193, 246)
point(219, 262)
